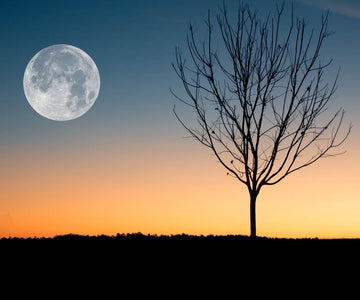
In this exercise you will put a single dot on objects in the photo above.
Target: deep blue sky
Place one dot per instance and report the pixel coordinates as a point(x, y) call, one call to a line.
point(132, 43)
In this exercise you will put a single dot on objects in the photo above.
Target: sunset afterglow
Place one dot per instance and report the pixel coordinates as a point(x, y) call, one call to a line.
point(126, 165)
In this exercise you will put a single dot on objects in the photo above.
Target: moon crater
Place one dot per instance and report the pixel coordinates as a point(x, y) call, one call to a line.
point(61, 82)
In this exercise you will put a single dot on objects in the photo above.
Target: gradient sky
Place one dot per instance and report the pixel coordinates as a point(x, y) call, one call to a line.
point(125, 166)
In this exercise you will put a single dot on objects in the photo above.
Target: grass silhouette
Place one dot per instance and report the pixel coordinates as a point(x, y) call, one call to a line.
point(217, 245)
point(171, 264)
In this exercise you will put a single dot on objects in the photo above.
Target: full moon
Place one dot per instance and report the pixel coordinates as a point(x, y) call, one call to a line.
point(61, 82)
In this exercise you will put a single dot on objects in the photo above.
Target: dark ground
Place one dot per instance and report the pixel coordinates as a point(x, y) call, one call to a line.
point(182, 261)
point(143, 247)
point(180, 250)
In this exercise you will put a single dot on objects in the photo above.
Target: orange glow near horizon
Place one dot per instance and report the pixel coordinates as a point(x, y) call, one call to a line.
point(169, 189)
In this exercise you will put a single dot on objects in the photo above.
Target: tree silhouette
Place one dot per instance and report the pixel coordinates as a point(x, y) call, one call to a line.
point(259, 97)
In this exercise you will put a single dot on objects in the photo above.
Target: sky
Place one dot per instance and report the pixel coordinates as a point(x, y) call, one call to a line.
point(126, 166)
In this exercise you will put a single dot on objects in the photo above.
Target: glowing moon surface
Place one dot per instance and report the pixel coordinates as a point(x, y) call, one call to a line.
point(61, 82)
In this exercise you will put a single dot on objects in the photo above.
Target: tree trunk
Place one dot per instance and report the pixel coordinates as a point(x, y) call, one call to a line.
point(252, 215)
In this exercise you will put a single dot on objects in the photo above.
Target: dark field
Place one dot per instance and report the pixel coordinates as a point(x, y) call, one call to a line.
point(182, 247)
point(163, 264)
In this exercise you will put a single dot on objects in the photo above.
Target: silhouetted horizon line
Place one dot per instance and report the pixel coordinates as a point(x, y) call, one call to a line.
point(140, 235)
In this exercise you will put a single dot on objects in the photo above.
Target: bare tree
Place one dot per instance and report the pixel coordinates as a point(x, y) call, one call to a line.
point(260, 105)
